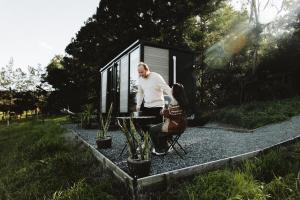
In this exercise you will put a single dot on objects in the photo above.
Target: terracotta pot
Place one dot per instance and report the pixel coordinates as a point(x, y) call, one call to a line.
point(104, 143)
point(139, 168)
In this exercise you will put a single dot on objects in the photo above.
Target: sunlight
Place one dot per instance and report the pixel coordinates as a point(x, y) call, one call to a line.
point(267, 15)
point(267, 10)
point(247, 32)
point(221, 53)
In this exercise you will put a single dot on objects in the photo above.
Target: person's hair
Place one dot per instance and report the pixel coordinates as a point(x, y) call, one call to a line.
point(146, 67)
point(180, 96)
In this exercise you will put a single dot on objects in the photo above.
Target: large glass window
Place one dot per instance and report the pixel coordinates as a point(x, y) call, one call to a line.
point(124, 68)
point(103, 90)
point(134, 60)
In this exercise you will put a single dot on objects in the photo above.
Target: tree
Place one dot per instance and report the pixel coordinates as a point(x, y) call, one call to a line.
point(21, 91)
point(114, 26)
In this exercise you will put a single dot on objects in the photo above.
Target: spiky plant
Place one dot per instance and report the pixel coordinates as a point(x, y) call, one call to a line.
point(137, 148)
point(104, 124)
point(145, 147)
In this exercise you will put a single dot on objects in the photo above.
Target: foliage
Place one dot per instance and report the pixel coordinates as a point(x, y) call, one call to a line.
point(86, 116)
point(264, 62)
point(82, 191)
point(224, 185)
point(273, 175)
point(22, 91)
point(256, 114)
point(37, 163)
point(114, 26)
point(137, 148)
point(104, 124)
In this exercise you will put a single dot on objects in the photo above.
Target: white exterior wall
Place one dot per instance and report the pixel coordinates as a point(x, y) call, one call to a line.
point(158, 61)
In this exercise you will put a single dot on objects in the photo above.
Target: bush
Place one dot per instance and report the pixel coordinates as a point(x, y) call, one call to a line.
point(81, 191)
point(223, 185)
point(273, 176)
point(258, 114)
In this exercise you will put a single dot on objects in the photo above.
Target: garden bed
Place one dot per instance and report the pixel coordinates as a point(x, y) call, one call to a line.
point(202, 144)
point(207, 148)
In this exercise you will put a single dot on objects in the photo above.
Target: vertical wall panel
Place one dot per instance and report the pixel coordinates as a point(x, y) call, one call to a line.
point(124, 68)
point(135, 58)
point(103, 90)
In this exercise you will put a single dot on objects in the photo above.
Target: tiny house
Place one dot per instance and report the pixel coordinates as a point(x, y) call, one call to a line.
point(119, 77)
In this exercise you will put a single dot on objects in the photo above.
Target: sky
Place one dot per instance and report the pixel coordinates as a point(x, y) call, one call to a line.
point(268, 8)
point(33, 31)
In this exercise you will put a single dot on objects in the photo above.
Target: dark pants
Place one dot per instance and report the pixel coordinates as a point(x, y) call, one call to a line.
point(156, 135)
point(155, 111)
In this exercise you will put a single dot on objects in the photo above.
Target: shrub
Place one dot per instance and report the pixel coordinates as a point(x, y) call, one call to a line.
point(256, 114)
point(223, 185)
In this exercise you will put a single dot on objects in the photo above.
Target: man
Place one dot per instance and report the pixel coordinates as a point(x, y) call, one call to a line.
point(151, 86)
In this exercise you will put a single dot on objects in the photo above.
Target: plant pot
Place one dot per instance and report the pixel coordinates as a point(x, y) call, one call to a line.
point(139, 168)
point(104, 143)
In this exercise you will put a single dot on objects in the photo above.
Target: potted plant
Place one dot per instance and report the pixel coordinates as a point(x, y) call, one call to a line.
point(139, 161)
point(103, 141)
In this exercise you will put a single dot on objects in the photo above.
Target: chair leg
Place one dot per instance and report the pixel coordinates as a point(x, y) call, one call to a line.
point(177, 152)
point(123, 150)
point(181, 147)
point(175, 141)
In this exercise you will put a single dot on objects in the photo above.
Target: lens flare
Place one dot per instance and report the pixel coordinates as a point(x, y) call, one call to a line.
point(218, 55)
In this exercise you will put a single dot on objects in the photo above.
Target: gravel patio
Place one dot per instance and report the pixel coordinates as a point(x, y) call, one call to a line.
point(203, 144)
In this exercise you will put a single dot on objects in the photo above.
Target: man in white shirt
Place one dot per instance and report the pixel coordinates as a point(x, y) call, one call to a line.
point(151, 86)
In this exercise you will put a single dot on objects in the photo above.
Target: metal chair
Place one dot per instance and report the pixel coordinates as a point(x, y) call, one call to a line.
point(172, 141)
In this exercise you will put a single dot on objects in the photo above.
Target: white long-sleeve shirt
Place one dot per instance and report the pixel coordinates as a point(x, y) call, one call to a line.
point(151, 90)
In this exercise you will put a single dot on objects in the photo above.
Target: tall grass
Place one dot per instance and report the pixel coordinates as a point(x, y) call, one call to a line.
point(36, 162)
point(273, 176)
point(256, 114)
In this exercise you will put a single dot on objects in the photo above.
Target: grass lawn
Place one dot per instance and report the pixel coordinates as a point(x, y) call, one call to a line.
point(257, 114)
point(36, 162)
point(273, 176)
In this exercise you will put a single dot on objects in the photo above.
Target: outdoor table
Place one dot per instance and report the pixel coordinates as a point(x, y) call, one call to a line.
point(138, 120)
point(139, 123)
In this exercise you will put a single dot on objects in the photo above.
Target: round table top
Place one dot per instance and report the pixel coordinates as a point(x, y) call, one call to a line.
point(136, 117)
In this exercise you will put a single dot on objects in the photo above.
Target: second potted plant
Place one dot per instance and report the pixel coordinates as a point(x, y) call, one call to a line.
point(103, 141)
point(138, 162)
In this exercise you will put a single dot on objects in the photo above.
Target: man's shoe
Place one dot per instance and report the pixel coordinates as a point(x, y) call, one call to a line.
point(158, 153)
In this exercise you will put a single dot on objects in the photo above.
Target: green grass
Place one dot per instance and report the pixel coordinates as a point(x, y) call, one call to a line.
point(257, 114)
point(272, 176)
point(36, 162)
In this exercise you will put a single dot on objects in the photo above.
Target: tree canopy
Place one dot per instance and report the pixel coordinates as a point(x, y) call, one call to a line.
point(114, 26)
point(211, 28)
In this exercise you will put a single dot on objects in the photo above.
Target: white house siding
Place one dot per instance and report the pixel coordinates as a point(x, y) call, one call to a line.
point(158, 60)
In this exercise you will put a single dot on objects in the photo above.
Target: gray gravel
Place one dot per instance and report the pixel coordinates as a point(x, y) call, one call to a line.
point(202, 144)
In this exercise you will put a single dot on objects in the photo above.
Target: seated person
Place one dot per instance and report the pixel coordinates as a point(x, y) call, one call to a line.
point(175, 120)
